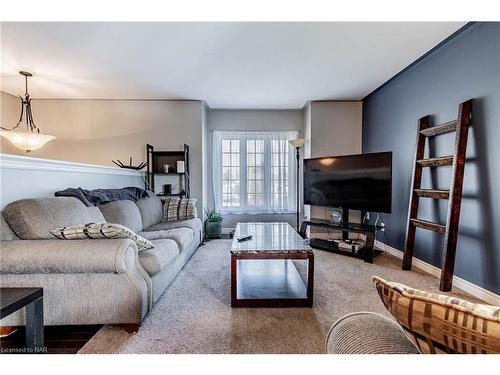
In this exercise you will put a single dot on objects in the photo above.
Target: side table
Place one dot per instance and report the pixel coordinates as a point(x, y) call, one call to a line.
point(14, 299)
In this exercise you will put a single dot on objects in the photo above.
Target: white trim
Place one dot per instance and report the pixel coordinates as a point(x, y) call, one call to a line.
point(458, 282)
point(8, 161)
point(227, 230)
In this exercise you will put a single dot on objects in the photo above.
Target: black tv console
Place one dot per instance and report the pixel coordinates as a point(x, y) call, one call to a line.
point(367, 252)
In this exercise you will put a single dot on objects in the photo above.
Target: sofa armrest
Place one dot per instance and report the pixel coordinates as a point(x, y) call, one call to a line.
point(368, 333)
point(67, 256)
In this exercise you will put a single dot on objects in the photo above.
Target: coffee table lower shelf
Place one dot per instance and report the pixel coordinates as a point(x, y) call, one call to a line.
point(270, 280)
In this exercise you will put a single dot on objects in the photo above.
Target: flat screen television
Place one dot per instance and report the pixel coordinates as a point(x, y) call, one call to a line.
point(358, 182)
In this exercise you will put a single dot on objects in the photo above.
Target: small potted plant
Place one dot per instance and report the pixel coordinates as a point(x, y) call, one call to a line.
point(213, 224)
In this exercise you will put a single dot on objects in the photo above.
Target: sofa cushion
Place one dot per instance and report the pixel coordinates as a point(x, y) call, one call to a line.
point(123, 212)
point(182, 236)
point(194, 224)
point(150, 209)
point(32, 219)
point(6, 232)
point(442, 324)
point(154, 260)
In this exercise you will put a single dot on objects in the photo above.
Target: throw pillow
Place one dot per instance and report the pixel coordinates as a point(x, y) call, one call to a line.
point(171, 208)
point(176, 208)
point(101, 231)
point(439, 323)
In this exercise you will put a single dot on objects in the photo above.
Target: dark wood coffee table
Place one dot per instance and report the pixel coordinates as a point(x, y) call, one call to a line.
point(14, 299)
point(263, 270)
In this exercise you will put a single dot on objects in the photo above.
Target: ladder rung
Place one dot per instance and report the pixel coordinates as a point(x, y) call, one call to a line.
point(436, 162)
point(433, 193)
point(428, 225)
point(447, 127)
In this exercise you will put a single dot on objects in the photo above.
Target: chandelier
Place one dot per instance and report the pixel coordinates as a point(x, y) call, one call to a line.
point(31, 139)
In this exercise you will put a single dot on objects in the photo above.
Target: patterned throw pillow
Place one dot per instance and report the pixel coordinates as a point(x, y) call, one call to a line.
point(176, 208)
point(100, 231)
point(442, 324)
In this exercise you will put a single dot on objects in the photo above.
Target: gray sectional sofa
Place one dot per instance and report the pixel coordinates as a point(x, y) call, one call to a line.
point(92, 281)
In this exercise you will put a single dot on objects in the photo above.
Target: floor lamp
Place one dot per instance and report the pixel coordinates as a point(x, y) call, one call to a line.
point(297, 144)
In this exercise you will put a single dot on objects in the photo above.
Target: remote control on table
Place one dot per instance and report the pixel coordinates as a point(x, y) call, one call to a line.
point(244, 238)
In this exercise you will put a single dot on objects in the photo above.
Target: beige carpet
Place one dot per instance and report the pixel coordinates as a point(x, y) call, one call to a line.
point(194, 314)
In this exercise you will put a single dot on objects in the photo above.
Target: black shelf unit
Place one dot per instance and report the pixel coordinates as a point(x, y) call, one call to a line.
point(367, 252)
point(156, 161)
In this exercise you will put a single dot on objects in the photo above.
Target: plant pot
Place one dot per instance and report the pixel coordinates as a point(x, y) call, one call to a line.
point(213, 229)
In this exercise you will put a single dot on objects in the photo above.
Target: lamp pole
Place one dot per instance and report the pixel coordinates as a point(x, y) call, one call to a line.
point(297, 156)
point(297, 144)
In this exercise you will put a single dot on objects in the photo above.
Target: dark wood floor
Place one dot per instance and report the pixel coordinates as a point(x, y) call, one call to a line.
point(58, 339)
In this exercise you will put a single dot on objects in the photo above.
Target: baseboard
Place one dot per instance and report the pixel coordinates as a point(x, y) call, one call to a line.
point(458, 282)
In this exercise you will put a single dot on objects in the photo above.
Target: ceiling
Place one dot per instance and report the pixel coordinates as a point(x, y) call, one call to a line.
point(229, 65)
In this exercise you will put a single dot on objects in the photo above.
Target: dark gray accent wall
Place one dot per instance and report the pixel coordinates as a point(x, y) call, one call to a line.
point(467, 66)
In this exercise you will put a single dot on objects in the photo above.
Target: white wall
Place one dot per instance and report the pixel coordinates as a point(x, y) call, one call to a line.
point(27, 177)
point(205, 163)
point(9, 111)
point(221, 119)
point(97, 131)
point(334, 128)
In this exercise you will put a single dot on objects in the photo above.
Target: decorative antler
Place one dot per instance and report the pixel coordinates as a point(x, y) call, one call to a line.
point(130, 166)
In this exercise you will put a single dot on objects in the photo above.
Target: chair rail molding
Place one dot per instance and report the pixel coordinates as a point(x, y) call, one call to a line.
point(24, 177)
point(8, 161)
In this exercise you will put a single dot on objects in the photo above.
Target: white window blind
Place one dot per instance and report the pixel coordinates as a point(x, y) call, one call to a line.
point(254, 171)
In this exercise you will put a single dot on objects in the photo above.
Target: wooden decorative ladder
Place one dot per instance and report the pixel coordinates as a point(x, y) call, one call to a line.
point(454, 195)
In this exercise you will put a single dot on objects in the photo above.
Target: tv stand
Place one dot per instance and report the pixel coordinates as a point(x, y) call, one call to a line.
point(367, 252)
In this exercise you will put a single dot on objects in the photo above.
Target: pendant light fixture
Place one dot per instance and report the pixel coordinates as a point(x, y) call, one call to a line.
point(31, 139)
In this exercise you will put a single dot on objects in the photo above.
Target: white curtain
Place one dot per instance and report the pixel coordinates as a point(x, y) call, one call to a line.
point(279, 169)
